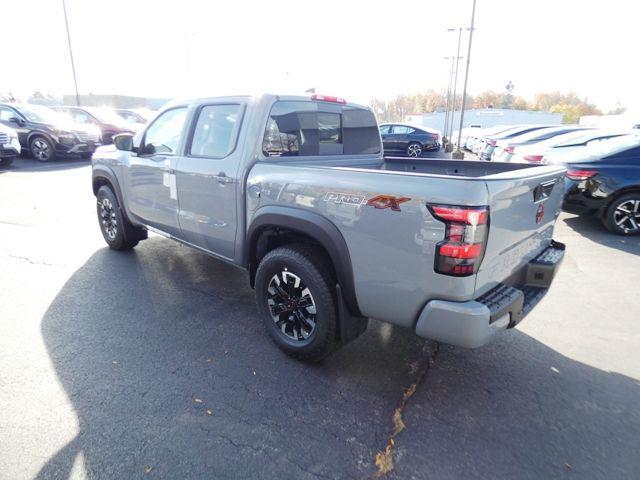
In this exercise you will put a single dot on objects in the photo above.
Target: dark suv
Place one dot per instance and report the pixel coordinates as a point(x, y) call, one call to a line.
point(108, 121)
point(46, 134)
point(407, 139)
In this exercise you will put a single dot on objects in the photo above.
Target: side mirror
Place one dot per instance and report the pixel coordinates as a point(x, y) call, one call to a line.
point(123, 141)
point(17, 121)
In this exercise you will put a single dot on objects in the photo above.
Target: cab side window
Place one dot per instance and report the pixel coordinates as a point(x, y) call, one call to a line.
point(401, 130)
point(216, 131)
point(163, 135)
point(385, 129)
point(6, 114)
point(80, 116)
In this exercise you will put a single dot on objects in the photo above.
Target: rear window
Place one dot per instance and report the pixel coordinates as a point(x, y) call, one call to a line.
point(319, 128)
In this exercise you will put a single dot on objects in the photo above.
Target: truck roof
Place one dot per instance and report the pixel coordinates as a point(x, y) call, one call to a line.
point(255, 98)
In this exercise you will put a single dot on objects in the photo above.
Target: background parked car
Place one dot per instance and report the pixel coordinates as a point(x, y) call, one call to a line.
point(542, 152)
point(134, 118)
point(407, 139)
point(487, 133)
point(109, 122)
point(491, 141)
point(9, 145)
point(505, 148)
point(604, 181)
point(46, 134)
point(467, 132)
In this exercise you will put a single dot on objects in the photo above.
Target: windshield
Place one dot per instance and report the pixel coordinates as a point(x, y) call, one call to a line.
point(613, 145)
point(580, 138)
point(38, 113)
point(534, 135)
point(570, 139)
point(500, 130)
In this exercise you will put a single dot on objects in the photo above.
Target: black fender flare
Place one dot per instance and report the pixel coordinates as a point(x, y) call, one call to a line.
point(102, 173)
point(315, 226)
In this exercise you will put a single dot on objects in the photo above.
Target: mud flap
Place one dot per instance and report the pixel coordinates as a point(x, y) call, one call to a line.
point(350, 326)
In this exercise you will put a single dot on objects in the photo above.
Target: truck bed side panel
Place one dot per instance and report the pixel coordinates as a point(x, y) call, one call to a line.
point(392, 252)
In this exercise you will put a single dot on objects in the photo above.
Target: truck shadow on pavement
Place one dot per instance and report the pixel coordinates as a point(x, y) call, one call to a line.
point(172, 376)
point(593, 229)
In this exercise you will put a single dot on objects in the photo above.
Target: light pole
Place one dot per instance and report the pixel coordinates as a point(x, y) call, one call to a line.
point(451, 108)
point(73, 66)
point(455, 87)
point(459, 154)
point(445, 137)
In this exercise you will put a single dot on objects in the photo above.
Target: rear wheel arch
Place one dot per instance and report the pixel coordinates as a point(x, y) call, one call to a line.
point(38, 133)
point(607, 213)
point(602, 211)
point(275, 226)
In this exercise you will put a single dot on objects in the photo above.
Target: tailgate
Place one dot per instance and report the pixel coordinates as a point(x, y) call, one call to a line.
point(523, 209)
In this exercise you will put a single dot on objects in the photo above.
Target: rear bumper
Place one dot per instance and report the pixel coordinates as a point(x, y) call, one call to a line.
point(476, 322)
point(578, 200)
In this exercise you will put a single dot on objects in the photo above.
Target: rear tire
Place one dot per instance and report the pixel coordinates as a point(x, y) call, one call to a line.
point(414, 149)
point(116, 230)
point(295, 294)
point(622, 216)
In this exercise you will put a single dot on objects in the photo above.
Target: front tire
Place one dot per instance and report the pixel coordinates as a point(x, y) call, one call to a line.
point(296, 299)
point(414, 149)
point(623, 215)
point(116, 230)
point(42, 149)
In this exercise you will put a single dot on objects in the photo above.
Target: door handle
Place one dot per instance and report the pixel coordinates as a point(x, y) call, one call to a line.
point(223, 179)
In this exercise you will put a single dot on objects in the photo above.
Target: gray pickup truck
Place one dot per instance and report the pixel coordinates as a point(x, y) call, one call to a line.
point(296, 191)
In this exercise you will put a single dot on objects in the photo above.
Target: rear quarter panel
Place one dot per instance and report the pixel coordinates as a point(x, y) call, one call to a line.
point(392, 252)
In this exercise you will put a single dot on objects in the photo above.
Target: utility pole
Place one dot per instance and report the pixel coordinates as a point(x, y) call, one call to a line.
point(73, 66)
point(455, 87)
point(459, 154)
point(447, 102)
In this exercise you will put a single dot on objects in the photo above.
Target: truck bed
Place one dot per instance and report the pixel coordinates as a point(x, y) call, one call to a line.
point(381, 241)
point(447, 168)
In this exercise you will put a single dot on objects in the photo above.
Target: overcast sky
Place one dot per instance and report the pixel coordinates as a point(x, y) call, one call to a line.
point(355, 49)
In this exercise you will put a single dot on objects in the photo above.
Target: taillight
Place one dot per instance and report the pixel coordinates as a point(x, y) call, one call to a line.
point(509, 149)
point(491, 143)
point(328, 98)
point(461, 251)
point(577, 174)
point(533, 158)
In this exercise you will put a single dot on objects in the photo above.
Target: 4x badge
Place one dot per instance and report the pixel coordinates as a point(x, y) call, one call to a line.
point(380, 202)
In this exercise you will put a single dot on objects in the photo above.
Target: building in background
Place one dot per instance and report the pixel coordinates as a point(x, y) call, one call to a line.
point(486, 117)
point(620, 121)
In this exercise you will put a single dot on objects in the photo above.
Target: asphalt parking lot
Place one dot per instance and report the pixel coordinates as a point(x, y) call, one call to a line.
point(153, 364)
